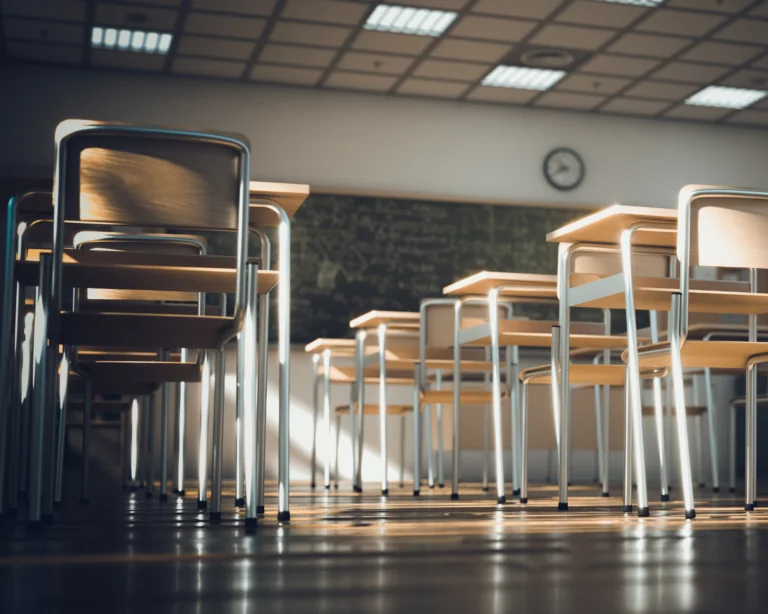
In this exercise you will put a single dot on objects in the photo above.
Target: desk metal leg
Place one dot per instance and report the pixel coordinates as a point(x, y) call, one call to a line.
point(357, 454)
point(456, 402)
point(416, 432)
point(164, 408)
point(493, 317)
point(217, 436)
point(711, 428)
point(182, 393)
point(658, 412)
point(327, 417)
point(524, 444)
point(284, 372)
point(382, 331)
point(202, 450)
point(262, 339)
point(627, 447)
point(564, 392)
point(250, 420)
point(239, 432)
point(440, 445)
point(315, 410)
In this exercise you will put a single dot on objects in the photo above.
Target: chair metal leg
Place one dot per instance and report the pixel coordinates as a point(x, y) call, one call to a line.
point(315, 410)
point(455, 460)
point(750, 441)
point(711, 430)
point(182, 394)
point(164, 421)
point(427, 446)
point(605, 476)
point(251, 433)
point(417, 432)
point(732, 447)
point(524, 444)
point(440, 446)
point(658, 415)
point(382, 332)
point(336, 454)
point(402, 452)
point(217, 436)
point(261, 404)
point(627, 447)
point(202, 450)
point(239, 432)
point(513, 389)
point(327, 418)
point(486, 445)
point(360, 397)
point(493, 320)
point(599, 423)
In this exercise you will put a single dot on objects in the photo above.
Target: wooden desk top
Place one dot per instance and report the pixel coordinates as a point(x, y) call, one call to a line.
point(606, 226)
point(344, 347)
point(528, 285)
point(396, 319)
point(290, 196)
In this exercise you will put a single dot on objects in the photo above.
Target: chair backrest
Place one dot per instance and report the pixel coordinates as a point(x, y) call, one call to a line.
point(151, 178)
point(726, 227)
point(604, 264)
point(438, 321)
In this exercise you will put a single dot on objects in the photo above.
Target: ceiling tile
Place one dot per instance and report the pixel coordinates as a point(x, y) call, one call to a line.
point(134, 61)
point(722, 53)
point(572, 37)
point(687, 72)
point(531, 9)
point(651, 45)
point(626, 106)
point(756, 118)
point(501, 95)
point(375, 63)
point(600, 14)
point(454, 71)
point(685, 111)
point(224, 25)
point(592, 84)
point(715, 6)
point(215, 47)
point(246, 7)
point(661, 91)
point(357, 81)
point(685, 23)
point(44, 31)
point(292, 54)
point(567, 100)
point(619, 66)
point(44, 53)
point(304, 33)
point(325, 11)
point(754, 79)
point(286, 74)
point(745, 31)
point(391, 43)
point(761, 10)
point(492, 28)
point(147, 18)
point(65, 10)
point(470, 50)
point(437, 89)
point(207, 68)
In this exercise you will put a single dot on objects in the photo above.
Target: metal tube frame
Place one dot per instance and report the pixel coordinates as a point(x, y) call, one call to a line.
point(315, 409)
point(252, 453)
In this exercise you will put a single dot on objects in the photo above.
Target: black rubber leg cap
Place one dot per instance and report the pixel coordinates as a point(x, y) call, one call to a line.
point(643, 512)
point(690, 515)
point(240, 502)
point(336, 486)
point(312, 485)
point(626, 509)
point(283, 516)
point(260, 509)
point(665, 497)
point(47, 518)
point(357, 488)
point(749, 507)
point(147, 495)
point(441, 485)
point(431, 486)
point(181, 493)
point(385, 492)
point(85, 501)
point(214, 517)
point(562, 507)
point(605, 494)
point(163, 498)
point(327, 487)
point(731, 490)
point(523, 499)
point(516, 492)
point(201, 505)
point(251, 524)
point(702, 485)
point(485, 489)
point(716, 489)
point(501, 500)
point(416, 493)
point(454, 496)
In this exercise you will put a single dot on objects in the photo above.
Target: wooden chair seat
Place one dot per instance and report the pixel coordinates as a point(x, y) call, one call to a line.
point(466, 397)
point(703, 354)
point(392, 410)
point(137, 330)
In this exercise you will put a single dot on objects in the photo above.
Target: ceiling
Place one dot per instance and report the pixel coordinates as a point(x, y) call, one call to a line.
point(630, 60)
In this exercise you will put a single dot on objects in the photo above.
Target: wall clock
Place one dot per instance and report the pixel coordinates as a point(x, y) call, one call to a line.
point(564, 169)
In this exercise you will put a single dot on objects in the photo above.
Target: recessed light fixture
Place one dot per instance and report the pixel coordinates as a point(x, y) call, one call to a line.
point(637, 2)
point(522, 78)
point(726, 97)
point(138, 41)
point(409, 20)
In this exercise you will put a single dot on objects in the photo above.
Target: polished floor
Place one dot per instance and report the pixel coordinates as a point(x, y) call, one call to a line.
point(363, 553)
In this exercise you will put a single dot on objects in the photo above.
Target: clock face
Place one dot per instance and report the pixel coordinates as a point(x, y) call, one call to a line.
point(564, 169)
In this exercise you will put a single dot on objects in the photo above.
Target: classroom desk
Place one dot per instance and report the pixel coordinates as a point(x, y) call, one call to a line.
point(271, 204)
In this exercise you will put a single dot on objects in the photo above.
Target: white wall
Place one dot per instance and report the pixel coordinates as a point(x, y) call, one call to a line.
point(360, 142)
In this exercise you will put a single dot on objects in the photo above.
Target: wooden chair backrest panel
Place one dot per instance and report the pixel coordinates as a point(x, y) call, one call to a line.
point(439, 322)
point(605, 264)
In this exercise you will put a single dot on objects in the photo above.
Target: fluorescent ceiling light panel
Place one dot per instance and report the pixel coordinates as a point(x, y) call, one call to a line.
point(138, 41)
point(637, 2)
point(726, 97)
point(522, 78)
point(409, 20)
